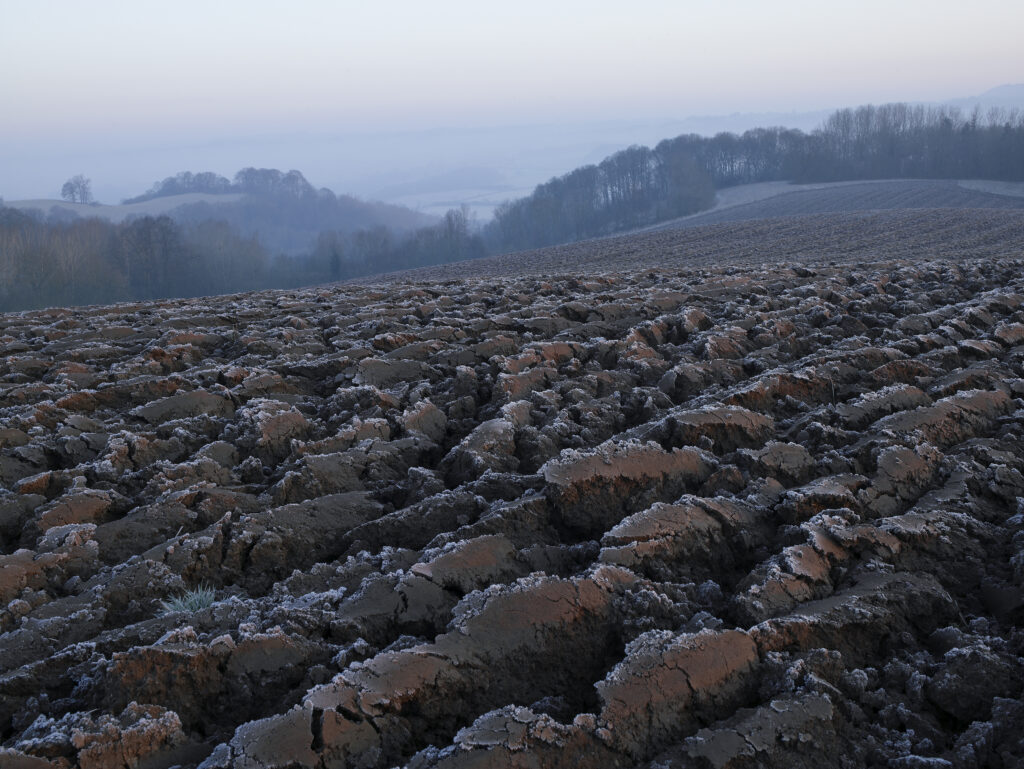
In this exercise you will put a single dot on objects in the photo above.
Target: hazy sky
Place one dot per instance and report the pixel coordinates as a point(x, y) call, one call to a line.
point(87, 77)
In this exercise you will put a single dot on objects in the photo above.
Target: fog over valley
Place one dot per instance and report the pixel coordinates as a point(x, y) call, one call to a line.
point(434, 107)
point(429, 169)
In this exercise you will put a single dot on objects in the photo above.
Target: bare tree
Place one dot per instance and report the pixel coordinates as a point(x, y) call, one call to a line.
point(77, 189)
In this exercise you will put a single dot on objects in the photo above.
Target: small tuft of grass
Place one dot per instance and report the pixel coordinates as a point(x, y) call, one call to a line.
point(191, 601)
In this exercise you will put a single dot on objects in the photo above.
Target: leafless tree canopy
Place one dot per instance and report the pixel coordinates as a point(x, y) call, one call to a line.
point(77, 189)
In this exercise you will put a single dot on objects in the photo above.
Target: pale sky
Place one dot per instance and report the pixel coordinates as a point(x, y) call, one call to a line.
point(76, 77)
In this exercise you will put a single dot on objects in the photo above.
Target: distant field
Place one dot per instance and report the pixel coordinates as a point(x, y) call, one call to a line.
point(480, 201)
point(154, 207)
point(1014, 189)
point(780, 199)
point(857, 236)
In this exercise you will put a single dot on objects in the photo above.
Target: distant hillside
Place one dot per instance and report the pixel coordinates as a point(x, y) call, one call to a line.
point(151, 207)
point(642, 186)
point(849, 197)
point(856, 236)
point(282, 210)
point(1010, 96)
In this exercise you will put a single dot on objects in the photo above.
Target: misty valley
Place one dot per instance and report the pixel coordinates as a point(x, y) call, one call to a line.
point(205, 234)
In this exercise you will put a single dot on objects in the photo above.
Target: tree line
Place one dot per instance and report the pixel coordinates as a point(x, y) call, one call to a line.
point(679, 176)
point(631, 188)
point(59, 261)
point(56, 261)
point(254, 181)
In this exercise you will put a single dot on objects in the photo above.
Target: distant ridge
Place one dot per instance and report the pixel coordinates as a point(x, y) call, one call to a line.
point(1009, 96)
point(118, 213)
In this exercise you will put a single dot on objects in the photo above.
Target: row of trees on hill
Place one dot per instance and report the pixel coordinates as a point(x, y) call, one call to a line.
point(891, 141)
point(61, 262)
point(280, 208)
point(639, 185)
point(631, 188)
point(899, 140)
point(255, 181)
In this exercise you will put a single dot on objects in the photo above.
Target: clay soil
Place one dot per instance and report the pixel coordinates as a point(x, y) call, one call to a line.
point(744, 495)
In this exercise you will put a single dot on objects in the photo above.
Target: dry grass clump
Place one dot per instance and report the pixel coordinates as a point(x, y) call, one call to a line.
point(191, 601)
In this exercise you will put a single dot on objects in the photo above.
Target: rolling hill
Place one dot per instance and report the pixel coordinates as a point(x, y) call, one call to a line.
point(867, 234)
point(165, 206)
point(776, 199)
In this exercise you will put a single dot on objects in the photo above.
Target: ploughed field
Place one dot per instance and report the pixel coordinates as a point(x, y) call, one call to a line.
point(862, 235)
point(844, 197)
point(645, 502)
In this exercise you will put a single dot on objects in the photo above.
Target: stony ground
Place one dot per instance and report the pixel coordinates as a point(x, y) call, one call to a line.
point(644, 515)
